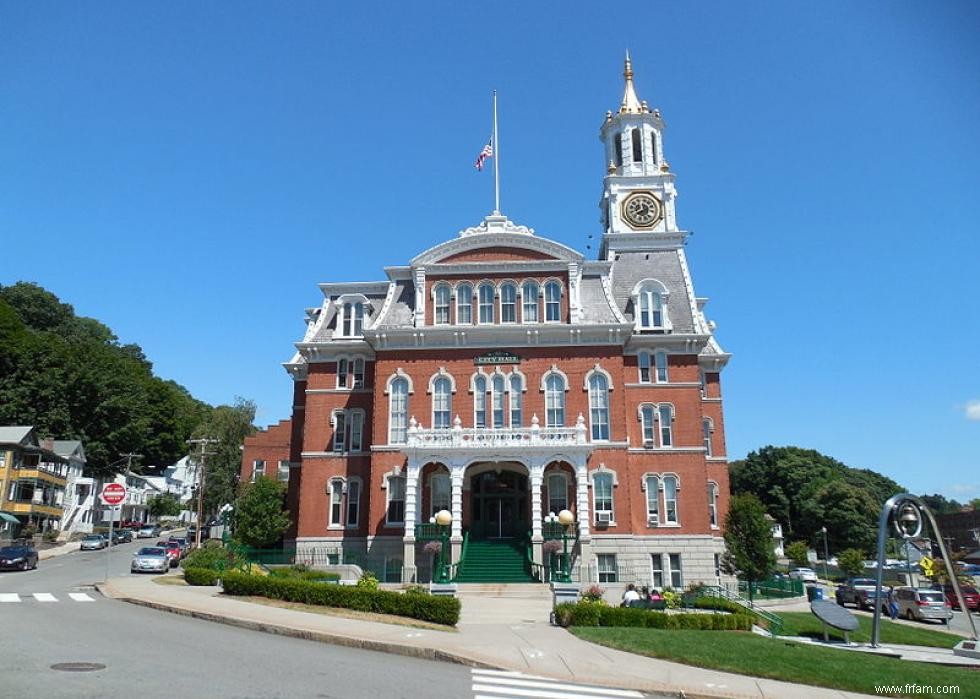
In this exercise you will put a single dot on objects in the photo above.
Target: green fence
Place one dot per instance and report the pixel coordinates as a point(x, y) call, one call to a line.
point(773, 588)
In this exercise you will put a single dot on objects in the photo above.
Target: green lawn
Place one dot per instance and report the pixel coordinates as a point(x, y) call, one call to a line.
point(751, 654)
point(805, 624)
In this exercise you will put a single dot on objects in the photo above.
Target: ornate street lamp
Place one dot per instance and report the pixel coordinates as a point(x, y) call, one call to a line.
point(565, 519)
point(443, 519)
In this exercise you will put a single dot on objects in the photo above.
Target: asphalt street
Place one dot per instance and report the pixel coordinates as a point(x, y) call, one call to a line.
point(156, 654)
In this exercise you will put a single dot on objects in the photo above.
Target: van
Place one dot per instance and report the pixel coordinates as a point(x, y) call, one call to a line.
point(922, 603)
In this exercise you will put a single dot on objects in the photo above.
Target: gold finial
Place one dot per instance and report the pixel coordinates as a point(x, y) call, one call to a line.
point(665, 167)
point(611, 167)
point(630, 103)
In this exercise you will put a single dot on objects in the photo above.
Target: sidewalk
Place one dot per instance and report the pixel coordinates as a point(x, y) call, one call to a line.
point(516, 638)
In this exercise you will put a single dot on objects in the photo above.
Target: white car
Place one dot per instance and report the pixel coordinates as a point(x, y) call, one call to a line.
point(804, 574)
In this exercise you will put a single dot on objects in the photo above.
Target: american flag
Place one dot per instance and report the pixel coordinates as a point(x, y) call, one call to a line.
point(487, 152)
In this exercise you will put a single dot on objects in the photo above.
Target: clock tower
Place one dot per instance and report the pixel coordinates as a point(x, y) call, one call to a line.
point(638, 194)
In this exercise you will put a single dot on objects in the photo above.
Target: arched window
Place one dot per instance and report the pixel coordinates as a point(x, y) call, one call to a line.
point(652, 486)
point(706, 429)
point(336, 503)
point(498, 400)
point(599, 406)
point(442, 294)
point(395, 509)
point(353, 503)
point(464, 304)
point(643, 362)
point(508, 303)
point(637, 146)
point(516, 400)
point(480, 401)
point(554, 400)
point(339, 432)
point(647, 419)
point(486, 303)
point(441, 490)
point(670, 499)
point(529, 309)
point(552, 302)
point(618, 143)
point(398, 411)
point(649, 300)
point(665, 416)
point(557, 492)
point(713, 503)
point(442, 403)
point(602, 497)
point(352, 319)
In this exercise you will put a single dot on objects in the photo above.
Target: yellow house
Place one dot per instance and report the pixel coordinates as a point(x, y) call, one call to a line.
point(32, 482)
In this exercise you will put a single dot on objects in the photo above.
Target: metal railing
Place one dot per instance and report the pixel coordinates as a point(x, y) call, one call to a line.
point(481, 438)
point(773, 622)
point(454, 567)
point(773, 588)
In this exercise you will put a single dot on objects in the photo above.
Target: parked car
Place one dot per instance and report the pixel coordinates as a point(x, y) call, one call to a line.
point(185, 544)
point(969, 568)
point(19, 556)
point(94, 542)
point(192, 533)
point(804, 574)
point(861, 593)
point(125, 535)
point(922, 604)
point(148, 531)
point(970, 596)
point(150, 559)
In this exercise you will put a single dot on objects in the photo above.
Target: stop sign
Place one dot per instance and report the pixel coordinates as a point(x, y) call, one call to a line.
point(113, 494)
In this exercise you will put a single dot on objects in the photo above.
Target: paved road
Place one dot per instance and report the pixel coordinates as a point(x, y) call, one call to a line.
point(52, 615)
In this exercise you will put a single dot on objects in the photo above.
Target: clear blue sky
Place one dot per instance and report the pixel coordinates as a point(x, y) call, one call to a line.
point(187, 173)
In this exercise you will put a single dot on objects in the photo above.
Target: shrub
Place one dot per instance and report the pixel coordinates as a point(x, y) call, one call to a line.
point(200, 576)
point(367, 581)
point(212, 556)
point(27, 532)
point(437, 609)
point(672, 598)
point(303, 572)
point(416, 590)
point(51, 535)
point(588, 614)
point(593, 595)
point(719, 603)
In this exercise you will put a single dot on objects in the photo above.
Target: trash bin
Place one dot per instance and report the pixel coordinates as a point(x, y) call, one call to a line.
point(813, 593)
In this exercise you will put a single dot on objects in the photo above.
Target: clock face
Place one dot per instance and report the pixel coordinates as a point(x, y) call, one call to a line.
point(642, 210)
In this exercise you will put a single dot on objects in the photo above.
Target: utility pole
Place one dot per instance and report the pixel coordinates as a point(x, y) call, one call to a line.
point(202, 472)
point(129, 469)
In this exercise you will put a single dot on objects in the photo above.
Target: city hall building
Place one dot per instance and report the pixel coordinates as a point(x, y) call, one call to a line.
point(504, 377)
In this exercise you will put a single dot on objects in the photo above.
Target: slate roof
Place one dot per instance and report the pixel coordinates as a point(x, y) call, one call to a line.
point(14, 434)
point(664, 266)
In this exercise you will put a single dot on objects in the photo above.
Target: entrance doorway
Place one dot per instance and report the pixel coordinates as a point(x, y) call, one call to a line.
point(499, 505)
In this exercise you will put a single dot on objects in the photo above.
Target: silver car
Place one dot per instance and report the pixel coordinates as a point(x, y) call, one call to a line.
point(921, 604)
point(93, 542)
point(150, 559)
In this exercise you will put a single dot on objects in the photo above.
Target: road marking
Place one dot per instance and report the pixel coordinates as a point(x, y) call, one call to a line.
point(45, 597)
point(488, 684)
point(80, 597)
point(9, 597)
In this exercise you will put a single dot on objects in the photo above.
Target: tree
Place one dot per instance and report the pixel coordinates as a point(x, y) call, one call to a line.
point(940, 505)
point(851, 562)
point(797, 552)
point(164, 505)
point(230, 425)
point(260, 516)
point(748, 537)
point(975, 503)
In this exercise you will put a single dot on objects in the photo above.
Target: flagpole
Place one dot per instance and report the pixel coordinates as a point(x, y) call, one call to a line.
point(496, 159)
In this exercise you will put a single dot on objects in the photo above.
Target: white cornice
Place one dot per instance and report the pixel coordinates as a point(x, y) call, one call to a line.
point(496, 336)
point(503, 266)
point(503, 238)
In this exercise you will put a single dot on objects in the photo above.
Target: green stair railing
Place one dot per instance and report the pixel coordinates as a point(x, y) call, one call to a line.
point(537, 570)
point(773, 621)
point(454, 568)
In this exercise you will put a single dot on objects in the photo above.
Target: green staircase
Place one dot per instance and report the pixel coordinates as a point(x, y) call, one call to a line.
point(494, 561)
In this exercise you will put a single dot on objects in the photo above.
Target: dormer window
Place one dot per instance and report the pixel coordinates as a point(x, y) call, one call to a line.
point(442, 298)
point(350, 320)
point(650, 306)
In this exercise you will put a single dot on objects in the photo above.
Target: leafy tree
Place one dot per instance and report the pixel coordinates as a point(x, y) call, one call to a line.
point(230, 425)
point(164, 505)
point(975, 503)
point(851, 562)
point(797, 552)
point(260, 514)
point(748, 537)
point(940, 505)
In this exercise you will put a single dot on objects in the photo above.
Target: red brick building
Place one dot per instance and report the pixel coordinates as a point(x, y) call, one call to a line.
point(504, 377)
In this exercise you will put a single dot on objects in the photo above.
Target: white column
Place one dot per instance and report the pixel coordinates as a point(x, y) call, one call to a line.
point(420, 297)
point(408, 540)
point(582, 501)
point(456, 479)
point(537, 478)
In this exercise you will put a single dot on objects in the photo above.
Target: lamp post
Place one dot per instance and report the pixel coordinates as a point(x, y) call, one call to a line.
point(826, 555)
point(565, 518)
point(443, 519)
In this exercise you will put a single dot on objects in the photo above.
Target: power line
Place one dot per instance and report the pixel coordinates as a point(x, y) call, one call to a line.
point(203, 442)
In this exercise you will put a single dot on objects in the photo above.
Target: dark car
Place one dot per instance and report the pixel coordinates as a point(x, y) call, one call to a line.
point(18, 557)
point(861, 593)
point(125, 535)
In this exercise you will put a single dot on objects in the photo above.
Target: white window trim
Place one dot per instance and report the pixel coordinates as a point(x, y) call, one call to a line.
point(648, 286)
point(677, 501)
point(350, 373)
point(655, 367)
point(387, 477)
point(441, 374)
point(604, 470)
point(348, 414)
point(537, 301)
point(468, 302)
point(547, 482)
point(659, 428)
point(354, 480)
point(615, 569)
point(398, 374)
point(449, 303)
point(483, 396)
point(561, 295)
point(279, 470)
point(432, 490)
point(714, 493)
point(517, 299)
point(599, 371)
point(352, 299)
point(645, 487)
point(544, 389)
point(338, 480)
point(479, 303)
point(256, 474)
point(639, 367)
point(508, 387)
point(708, 436)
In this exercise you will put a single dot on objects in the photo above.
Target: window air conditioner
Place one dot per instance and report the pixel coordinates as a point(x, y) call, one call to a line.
point(648, 444)
point(603, 517)
point(653, 521)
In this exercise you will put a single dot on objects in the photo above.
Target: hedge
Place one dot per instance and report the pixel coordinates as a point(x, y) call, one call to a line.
point(296, 573)
point(437, 609)
point(200, 576)
point(719, 603)
point(590, 614)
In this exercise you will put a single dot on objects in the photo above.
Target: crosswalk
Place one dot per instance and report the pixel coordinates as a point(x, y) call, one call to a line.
point(498, 684)
point(14, 597)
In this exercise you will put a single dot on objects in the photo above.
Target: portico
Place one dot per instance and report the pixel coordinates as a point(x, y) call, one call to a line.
point(496, 481)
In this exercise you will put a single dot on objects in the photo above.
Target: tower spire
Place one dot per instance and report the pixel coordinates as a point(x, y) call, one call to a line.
point(631, 103)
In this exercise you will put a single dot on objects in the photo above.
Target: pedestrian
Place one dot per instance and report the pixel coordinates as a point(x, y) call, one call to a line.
point(631, 595)
point(892, 604)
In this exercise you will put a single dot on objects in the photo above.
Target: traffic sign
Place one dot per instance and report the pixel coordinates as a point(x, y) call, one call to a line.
point(928, 566)
point(113, 494)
